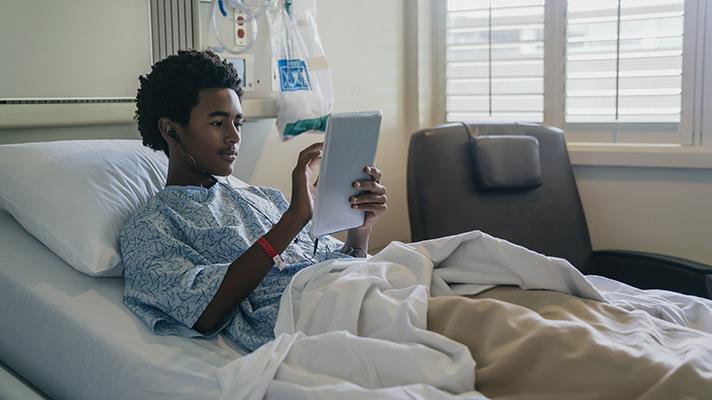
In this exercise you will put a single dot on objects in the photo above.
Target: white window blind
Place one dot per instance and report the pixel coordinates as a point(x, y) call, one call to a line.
point(624, 61)
point(495, 60)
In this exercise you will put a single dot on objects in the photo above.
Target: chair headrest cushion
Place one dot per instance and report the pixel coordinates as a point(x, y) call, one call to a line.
point(507, 162)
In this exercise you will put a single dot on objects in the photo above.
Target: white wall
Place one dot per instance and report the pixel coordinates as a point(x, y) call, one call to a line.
point(364, 45)
point(662, 210)
point(665, 210)
point(61, 55)
point(47, 134)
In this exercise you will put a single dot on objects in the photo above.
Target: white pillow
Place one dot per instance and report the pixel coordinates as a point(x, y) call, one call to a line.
point(75, 196)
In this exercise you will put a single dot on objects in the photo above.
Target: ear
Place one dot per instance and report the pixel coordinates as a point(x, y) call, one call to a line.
point(168, 130)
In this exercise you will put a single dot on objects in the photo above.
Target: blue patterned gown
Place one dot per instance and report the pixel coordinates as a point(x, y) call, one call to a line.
point(177, 248)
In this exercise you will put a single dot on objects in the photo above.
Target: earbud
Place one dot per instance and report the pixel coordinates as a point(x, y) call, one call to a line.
point(172, 133)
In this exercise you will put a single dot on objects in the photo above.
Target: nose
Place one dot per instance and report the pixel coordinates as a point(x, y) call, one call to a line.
point(233, 135)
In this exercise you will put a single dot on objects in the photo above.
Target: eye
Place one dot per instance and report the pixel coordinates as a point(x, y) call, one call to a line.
point(239, 123)
point(216, 123)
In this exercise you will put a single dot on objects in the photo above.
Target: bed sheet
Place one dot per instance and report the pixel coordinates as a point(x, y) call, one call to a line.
point(70, 335)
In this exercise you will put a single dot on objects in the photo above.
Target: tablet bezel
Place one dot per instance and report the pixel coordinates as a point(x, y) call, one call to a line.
point(356, 130)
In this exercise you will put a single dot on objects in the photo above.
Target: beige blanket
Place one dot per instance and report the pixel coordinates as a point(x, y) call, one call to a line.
point(536, 344)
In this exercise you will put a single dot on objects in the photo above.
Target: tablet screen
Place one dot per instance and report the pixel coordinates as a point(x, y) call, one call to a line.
point(350, 145)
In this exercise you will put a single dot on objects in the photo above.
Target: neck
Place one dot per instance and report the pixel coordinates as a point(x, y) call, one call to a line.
point(181, 174)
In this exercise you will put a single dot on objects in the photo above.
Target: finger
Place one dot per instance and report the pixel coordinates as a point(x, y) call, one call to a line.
point(310, 150)
point(369, 198)
point(314, 146)
point(370, 186)
point(314, 161)
point(370, 207)
point(307, 157)
point(310, 153)
point(373, 172)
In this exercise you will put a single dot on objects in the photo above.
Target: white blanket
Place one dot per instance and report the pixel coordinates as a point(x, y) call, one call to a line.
point(357, 329)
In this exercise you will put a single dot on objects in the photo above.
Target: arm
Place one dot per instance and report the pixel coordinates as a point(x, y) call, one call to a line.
point(247, 271)
point(647, 271)
point(373, 202)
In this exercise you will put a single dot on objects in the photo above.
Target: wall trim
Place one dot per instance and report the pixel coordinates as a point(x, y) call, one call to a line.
point(640, 156)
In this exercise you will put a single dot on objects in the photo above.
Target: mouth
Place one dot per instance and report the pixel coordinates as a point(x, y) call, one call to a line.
point(229, 155)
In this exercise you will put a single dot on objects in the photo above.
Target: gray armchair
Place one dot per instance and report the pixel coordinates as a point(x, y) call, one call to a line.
point(515, 181)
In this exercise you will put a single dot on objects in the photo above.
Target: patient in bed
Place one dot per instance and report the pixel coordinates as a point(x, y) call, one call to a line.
point(202, 257)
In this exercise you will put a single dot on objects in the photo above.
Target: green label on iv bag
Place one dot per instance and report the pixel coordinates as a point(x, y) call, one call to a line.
point(297, 128)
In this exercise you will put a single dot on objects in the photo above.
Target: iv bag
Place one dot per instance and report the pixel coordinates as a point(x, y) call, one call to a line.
point(305, 97)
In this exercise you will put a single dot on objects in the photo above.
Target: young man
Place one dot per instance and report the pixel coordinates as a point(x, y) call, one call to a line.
point(198, 257)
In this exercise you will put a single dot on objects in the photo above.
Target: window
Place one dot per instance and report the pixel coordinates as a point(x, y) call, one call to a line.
point(606, 71)
point(495, 60)
point(624, 60)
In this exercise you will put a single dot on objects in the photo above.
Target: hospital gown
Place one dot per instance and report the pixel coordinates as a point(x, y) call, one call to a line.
point(177, 249)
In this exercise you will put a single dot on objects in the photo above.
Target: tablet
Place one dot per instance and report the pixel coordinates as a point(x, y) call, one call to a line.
point(350, 145)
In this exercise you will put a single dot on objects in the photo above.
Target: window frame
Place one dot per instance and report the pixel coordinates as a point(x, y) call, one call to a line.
point(693, 148)
point(703, 125)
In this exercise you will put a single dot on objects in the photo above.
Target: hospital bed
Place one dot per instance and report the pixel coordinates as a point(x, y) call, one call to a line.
point(69, 335)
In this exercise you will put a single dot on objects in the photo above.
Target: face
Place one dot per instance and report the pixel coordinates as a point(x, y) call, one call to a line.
point(212, 137)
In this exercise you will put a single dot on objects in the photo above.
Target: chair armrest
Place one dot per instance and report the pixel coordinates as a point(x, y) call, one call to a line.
point(655, 271)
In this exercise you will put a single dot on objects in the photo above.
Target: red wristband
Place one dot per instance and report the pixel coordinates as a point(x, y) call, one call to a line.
point(272, 253)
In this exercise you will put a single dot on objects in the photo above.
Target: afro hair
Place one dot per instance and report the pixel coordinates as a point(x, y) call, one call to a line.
point(171, 90)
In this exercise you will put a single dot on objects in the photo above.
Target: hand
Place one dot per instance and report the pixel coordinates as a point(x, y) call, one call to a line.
point(373, 202)
point(303, 191)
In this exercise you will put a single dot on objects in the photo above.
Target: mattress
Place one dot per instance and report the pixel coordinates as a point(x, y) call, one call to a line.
point(71, 337)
